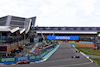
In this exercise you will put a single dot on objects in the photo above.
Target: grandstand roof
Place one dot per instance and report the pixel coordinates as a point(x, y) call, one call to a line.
point(21, 30)
point(18, 23)
point(8, 29)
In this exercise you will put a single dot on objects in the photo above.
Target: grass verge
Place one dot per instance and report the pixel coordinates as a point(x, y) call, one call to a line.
point(89, 51)
point(96, 61)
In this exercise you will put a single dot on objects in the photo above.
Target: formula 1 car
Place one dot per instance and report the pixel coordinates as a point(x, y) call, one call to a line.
point(77, 51)
point(23, 62)
point(75, 57)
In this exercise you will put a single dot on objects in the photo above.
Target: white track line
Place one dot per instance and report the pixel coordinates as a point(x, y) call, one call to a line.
point(71, 65)
point(85, 55)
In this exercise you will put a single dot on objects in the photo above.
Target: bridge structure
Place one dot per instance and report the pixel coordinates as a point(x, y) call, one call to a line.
point(67, 30)
point(84, 33)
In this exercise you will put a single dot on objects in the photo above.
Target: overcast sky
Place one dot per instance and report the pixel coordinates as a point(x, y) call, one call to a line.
point(55, 12)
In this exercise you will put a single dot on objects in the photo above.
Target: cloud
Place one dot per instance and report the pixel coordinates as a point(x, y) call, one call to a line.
point(86, 5)
point(19, 8)
point(55, 12)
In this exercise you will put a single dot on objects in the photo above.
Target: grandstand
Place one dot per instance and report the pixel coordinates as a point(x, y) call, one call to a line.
point(14, 32)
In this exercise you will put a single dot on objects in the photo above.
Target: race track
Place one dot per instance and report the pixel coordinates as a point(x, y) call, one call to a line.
point(62, 58)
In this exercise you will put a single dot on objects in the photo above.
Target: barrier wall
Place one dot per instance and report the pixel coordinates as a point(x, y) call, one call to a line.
point(17, 59)
point(8, 60)
point(45, 53)
point(34, 58)
point(11, 59)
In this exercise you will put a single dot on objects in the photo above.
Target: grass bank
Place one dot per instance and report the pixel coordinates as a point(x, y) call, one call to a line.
point(89, 51)
point(96, 61)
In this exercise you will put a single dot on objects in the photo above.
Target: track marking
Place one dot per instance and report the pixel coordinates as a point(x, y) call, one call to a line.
point(71, 65)
point(84, 55)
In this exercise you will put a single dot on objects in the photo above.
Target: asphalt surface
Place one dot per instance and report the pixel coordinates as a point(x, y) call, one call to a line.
point(62, 58)
point(94, 56)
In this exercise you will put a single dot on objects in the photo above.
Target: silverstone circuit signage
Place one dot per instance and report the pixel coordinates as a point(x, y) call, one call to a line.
point(63, 38)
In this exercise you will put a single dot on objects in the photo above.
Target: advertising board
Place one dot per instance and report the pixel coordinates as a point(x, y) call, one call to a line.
point(31, 57)
point(38, 57)
point(7, 59)
point(22, 58)
point(63, 38)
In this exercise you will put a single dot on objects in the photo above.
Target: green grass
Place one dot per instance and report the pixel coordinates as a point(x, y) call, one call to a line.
point(90, 51)
point(74, 45)
point(96, 61)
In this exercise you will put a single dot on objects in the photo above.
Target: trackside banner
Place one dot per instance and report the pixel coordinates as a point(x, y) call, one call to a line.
point(31, 57)
point(63, 38)
point(7, 59)
point(22, 58)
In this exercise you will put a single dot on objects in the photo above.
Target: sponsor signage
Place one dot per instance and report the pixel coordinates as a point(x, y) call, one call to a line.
point(38, 57)
point(31, 57)
point(7, 59)
point(22, 58)
point(3, 37)
point(63, 38)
